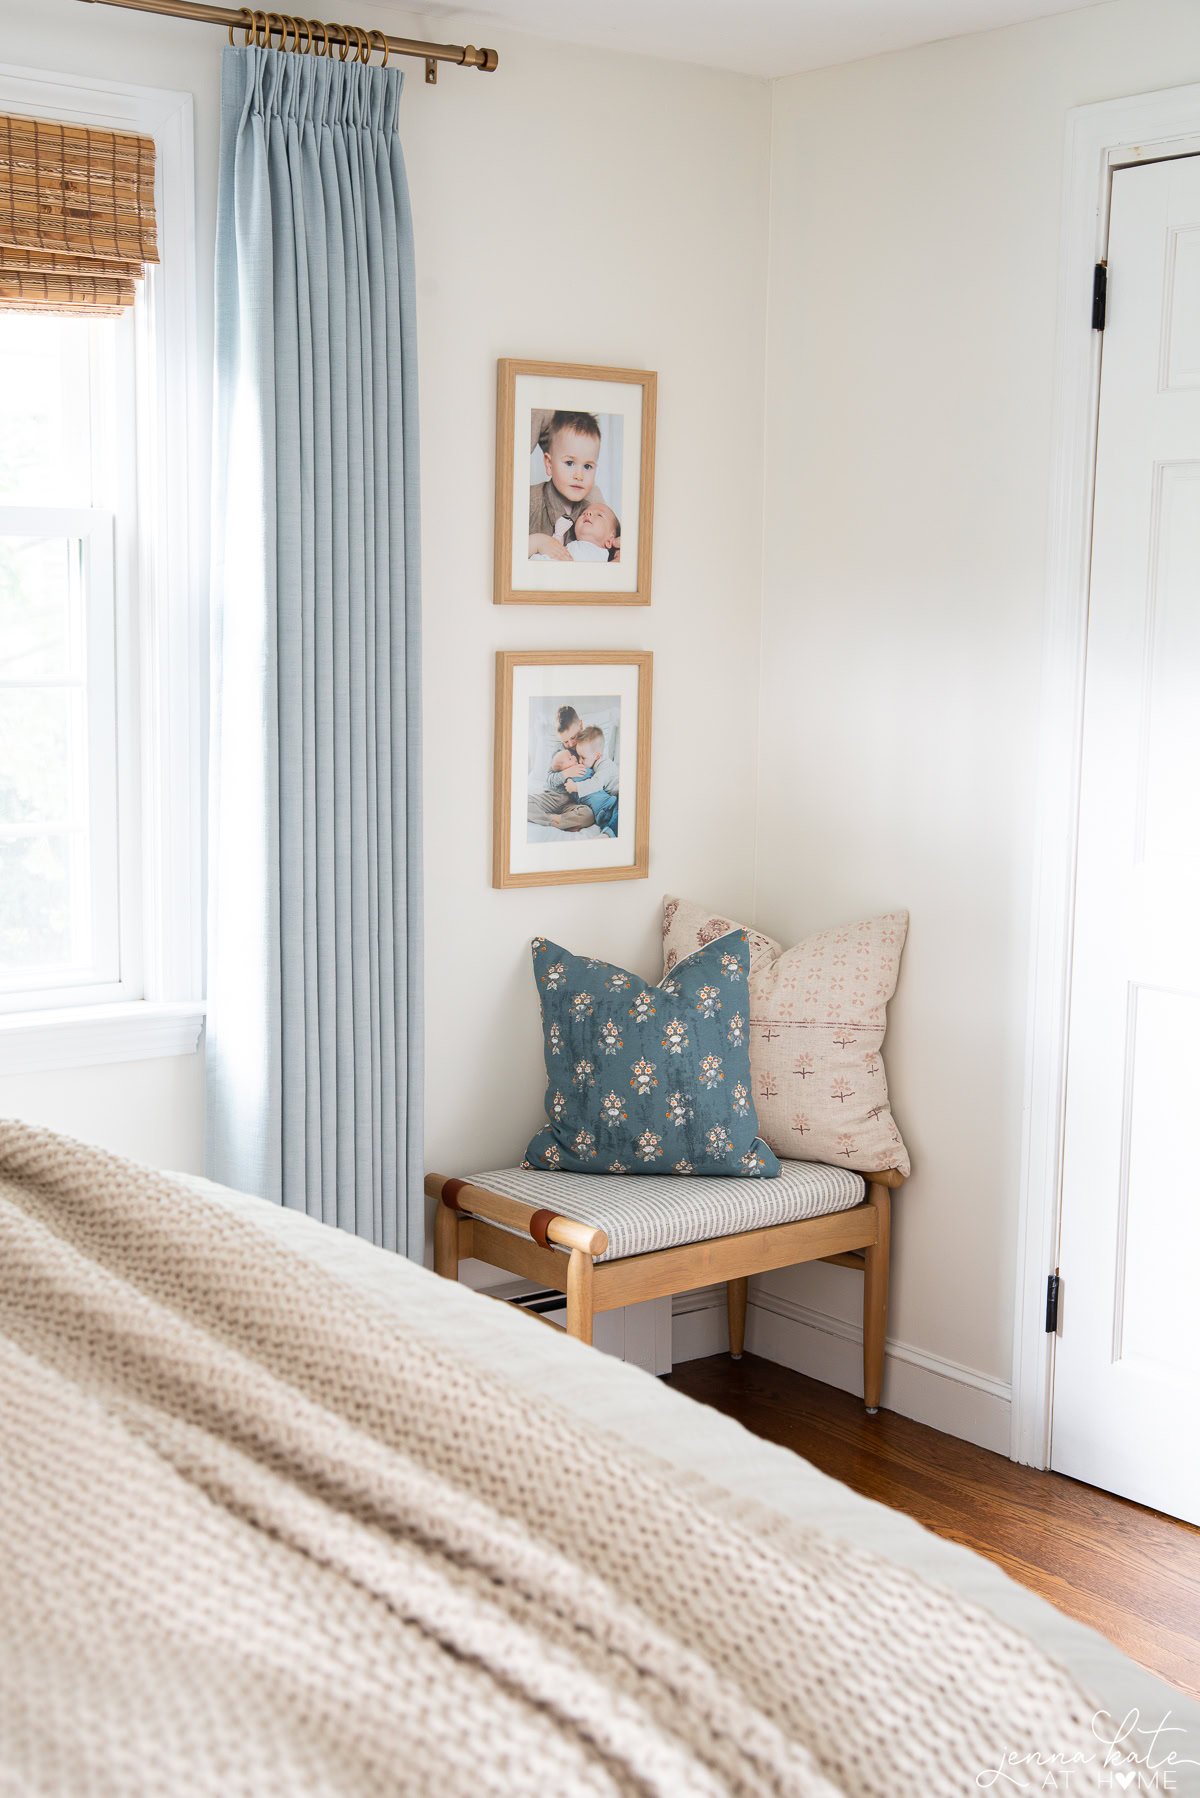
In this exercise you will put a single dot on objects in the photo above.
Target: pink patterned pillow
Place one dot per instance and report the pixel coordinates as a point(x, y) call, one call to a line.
point(818, 1012)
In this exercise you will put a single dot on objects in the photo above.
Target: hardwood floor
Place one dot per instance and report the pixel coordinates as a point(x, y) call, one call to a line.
point(1132, 1574)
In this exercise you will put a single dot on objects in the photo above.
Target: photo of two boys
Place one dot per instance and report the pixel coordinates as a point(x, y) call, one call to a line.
point(574, 767)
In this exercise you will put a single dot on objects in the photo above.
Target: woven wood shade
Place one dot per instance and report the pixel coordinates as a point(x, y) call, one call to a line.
point(77, 223)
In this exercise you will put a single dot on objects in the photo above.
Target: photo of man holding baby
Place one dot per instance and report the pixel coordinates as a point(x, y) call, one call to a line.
point(569, 517)
point(574, 484)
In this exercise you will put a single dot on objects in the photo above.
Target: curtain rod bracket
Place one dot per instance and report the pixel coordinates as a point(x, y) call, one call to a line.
point(431, 71)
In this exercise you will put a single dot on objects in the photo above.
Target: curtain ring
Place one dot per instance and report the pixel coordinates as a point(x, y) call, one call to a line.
point(383, 45)
point(275, 23)
point(245, 21)
point(315, 26)
point(261, 41)
point(301, 26)
point(364, 48)
point(344, 46)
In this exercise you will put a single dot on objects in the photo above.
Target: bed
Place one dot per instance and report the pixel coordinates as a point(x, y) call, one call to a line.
point(998, 1679)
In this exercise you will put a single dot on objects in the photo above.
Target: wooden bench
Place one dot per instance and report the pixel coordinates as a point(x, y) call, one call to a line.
point(571, 1253)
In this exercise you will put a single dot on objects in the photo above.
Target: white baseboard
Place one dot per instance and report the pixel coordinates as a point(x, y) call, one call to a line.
point(943, 1394)
point(699, 1324)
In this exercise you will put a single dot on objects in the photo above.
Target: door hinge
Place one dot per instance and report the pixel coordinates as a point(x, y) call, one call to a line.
point(1052, 1291)
point(1099, 296)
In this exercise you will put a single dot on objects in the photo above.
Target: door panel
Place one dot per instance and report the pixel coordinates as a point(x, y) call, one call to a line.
point(1127, 1366)
point(1156, 1317)
point(1181, 351)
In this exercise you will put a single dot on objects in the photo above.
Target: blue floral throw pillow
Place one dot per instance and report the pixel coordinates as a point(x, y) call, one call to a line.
point(648, 1079)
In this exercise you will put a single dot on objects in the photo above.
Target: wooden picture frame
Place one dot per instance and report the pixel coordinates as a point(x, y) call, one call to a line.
point(615, 473)
point(535, 690)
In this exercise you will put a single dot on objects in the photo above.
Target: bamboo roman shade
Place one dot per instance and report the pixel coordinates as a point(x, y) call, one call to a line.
point(77, 222)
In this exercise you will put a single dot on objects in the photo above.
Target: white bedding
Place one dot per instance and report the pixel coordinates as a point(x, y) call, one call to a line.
point(636, 1406)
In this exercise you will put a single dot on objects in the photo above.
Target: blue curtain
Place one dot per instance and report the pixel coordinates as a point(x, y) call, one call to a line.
point(314, 1027)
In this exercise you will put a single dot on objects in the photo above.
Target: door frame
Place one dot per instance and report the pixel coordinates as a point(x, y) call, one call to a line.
point(1101, 138)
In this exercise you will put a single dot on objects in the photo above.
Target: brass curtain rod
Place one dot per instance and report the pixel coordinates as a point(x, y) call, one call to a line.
point(348, 40)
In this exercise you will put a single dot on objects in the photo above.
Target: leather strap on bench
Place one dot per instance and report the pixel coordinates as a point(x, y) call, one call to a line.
point(539, 1223)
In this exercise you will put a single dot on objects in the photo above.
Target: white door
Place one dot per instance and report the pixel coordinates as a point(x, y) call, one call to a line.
point(1126, 1410)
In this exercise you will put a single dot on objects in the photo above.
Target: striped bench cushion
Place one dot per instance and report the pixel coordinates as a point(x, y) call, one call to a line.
point(660, 1211)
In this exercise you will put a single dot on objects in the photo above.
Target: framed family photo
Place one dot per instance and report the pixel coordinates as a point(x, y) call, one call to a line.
point(572, 766)
point(574, 484)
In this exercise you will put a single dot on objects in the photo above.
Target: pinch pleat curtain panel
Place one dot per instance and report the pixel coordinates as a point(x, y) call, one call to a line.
point(314, 1025)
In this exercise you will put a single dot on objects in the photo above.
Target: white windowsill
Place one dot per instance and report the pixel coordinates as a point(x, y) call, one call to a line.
point(86, 1035)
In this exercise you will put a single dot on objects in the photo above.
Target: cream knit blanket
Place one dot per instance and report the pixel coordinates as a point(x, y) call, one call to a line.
point(257, 1537)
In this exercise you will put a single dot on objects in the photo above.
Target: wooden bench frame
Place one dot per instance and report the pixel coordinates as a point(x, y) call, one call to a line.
point(560, 1253)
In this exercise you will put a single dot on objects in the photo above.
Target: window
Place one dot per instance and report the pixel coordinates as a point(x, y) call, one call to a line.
point(69, 853)
point(103, 501)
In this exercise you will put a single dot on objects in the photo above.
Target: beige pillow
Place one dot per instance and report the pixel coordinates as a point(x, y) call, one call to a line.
point(818, 1012)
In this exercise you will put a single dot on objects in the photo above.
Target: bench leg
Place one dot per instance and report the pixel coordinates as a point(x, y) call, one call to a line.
point(445, 1242)
point(735, 1304)
point(875, 1296)
point(579, 1295)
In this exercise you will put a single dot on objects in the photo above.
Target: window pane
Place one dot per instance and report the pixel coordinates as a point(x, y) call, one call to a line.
point(45, 396)
point(41, 608)
point(65, 417)
point(43, 908)
point(42, 756)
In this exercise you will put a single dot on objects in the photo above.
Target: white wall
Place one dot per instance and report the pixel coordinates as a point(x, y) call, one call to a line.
point(914, 245)
point(668, 273)
point(150, 1110)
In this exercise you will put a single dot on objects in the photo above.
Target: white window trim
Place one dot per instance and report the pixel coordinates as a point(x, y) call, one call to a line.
point(172, 500)
point(1100, 138)
point(83, 1036)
